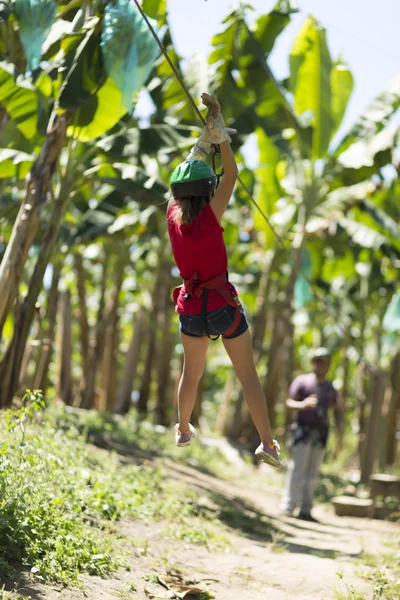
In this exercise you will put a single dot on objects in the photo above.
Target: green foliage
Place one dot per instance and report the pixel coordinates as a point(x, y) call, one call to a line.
point(342, 85)
point(14, 163)
point(59, 497)
point(310, 73)
point(375, 117)
point(5, 10)
point(95, 118)
point(84, 69)
point(47, 503)
point(20, 99)
point(383, 572)
point(267, 189)
point(242, 75)
point(135, 433)
point(155, 9)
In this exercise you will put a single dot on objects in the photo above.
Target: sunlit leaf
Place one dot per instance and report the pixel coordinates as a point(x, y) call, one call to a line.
point(375, 117)
point(310, 74)
point(14, 163)
point(20, 99)
point(342, 84)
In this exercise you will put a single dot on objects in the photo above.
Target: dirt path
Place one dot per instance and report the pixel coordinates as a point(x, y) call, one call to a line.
point(301, 563)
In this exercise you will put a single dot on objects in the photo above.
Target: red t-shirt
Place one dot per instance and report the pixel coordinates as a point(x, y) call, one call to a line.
point(199, 247)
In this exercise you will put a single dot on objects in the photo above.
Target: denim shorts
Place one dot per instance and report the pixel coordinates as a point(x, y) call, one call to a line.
point(219, 321)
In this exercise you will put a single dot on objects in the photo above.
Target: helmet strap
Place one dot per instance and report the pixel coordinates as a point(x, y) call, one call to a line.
point(216, 151)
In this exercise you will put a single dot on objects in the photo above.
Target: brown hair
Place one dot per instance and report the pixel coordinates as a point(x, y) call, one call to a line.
point(187, 209)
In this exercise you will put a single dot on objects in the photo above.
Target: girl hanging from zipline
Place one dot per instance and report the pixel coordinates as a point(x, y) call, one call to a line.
point(207, 302)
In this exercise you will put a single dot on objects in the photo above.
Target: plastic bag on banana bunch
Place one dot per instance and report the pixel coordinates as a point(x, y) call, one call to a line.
point(129, 49)
point(35, 19)
point(302, 289)
point(391, 320)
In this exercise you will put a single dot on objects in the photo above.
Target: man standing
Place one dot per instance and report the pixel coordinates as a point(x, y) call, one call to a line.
point(312, 396)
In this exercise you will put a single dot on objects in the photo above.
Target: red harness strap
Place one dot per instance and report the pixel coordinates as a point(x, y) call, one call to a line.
point(196, 288)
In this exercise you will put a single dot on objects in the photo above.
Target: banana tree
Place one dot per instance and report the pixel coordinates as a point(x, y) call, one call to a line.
point(71, 97)
point(299, 169)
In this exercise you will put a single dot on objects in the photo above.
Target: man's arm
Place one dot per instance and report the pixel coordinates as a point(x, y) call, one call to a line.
point(309, 402)
point(294, 402)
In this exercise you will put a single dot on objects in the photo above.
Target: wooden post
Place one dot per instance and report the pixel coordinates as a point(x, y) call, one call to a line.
point(65, 374)
point(373, 438)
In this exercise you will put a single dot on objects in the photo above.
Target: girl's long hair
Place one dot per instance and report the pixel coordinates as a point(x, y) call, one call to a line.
point(187, 209)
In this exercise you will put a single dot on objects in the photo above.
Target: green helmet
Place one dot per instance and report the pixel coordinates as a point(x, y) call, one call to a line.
point(193, 178)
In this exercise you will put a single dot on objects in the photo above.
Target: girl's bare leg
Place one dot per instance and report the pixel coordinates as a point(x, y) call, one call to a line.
point(195, 351)
point(240, 351)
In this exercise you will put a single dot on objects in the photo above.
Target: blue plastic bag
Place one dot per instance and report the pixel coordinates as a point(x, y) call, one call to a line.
point(302, 289)
point(129, 49)
point(391, 320)
point(35, 19)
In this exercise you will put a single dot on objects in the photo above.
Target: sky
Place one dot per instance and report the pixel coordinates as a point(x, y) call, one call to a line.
point(364, 32)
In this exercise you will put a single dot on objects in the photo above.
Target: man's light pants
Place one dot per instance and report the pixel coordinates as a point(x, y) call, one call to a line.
point(301, 477)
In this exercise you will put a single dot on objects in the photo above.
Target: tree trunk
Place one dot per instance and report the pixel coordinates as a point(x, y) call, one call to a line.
point(166, 349)
point(282, 328)
point(11, 365)
point(394, 408)
point(222, 425)
point(32, 353)
point(83, 319)
point(151, 339)
point(361, 396)
point(276, 361)
point(3, 119)
point(344, 394)
point(64, 390)
point(372, 443)
point(110, 364)
point(124, 395)
point(263, 300)
point(41, 381)
point(96, 352)
point(27, 221)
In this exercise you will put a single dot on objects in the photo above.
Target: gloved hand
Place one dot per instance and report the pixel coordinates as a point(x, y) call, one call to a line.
point(214, 132)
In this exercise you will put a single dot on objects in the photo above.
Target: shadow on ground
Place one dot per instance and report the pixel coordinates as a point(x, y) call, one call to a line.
point(21, 583)
point(237, 513)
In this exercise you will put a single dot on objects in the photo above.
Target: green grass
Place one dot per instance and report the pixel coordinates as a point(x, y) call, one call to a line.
point(61, 498)
point(344, 591)
point(383, 573)
point(130, 434)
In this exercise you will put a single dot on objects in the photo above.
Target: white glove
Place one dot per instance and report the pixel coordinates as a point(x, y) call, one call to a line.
point(202, 148)
point(214, 132)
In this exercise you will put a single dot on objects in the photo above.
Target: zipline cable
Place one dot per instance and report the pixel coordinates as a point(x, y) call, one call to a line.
point(192, 102)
